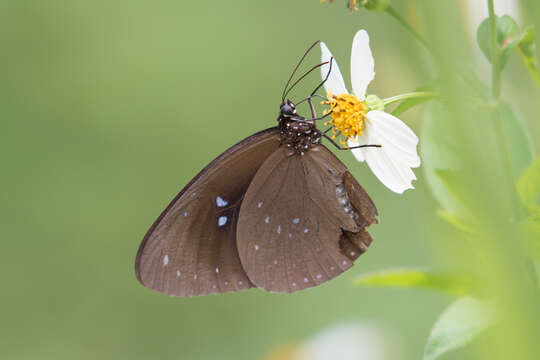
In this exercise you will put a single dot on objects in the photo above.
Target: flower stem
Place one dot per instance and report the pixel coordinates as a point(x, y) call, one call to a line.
point(393, 13)
point(414, 95)
point(496, 71)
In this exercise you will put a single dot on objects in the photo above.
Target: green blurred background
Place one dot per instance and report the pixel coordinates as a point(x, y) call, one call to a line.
point(109, 107)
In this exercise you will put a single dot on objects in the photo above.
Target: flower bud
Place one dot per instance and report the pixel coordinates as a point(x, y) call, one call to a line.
point(375, 5)
point(374, 103)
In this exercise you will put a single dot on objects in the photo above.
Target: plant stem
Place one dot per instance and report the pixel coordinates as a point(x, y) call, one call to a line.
point(413, 95)
point(499, 133)
point(496, 71)
point(393, 13)
point(511, 185)
point(505, 159)
point(498, 126)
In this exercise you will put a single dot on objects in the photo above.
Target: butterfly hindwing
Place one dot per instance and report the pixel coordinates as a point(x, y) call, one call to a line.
point(191, 248)
point(302, 221)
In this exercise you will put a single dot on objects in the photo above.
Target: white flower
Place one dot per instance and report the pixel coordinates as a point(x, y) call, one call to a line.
point(352, 341)
point(353, 118)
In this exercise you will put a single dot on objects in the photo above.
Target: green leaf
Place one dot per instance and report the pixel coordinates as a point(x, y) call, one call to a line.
point(450, 180)
point(456, 221)
point(528, 43)
point(410, 103)
point(467, 191)
point(530, 232)
point(452, 284)
point(377, 5)
point(438, 148)
point(459, 189)
point(527, 48)
point(528, 186)
point(459, 324)
point(518, 142)
point(508, 37)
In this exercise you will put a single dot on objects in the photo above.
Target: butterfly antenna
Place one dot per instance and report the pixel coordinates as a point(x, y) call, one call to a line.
point(327, 76)
point(296, 68)
point(302, 77)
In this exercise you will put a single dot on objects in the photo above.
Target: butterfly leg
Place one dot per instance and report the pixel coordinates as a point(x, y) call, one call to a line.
point(312, 108)
point(347, 148)
point(313, 113)
point(314, 118)
point(320, 117)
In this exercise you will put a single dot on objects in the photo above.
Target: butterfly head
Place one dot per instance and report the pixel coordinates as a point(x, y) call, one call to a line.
point(287, 109)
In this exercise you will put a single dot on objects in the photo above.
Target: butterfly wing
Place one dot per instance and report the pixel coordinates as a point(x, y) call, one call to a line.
point(302, 221)
point(191, 249)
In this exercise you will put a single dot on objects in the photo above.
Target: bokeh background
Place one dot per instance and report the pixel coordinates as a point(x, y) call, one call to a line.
point(109, 107)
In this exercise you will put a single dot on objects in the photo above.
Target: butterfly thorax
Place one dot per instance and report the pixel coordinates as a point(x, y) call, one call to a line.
point(299, 135)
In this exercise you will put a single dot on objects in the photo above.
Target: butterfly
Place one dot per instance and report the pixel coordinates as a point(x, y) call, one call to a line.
point(277, 211)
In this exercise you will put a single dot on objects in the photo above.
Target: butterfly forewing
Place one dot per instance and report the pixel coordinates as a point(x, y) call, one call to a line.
point(298, 225)
point(191, 248)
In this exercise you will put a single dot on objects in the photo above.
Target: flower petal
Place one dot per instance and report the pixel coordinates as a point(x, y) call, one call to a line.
point(392, 162)
point(362, 64)
point(358, 153)
point(394, 175)
point(335, 83)
point(397, 137)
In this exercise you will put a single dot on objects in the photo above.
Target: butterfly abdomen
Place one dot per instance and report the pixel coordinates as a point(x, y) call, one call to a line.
point(343, 200)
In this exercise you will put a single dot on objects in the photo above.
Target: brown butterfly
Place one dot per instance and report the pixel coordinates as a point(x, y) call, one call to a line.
point(277, 211)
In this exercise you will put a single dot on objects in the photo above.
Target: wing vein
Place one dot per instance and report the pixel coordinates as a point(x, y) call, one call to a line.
point(322, 244)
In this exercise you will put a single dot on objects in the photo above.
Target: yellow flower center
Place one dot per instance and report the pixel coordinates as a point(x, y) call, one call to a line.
point(348, 116)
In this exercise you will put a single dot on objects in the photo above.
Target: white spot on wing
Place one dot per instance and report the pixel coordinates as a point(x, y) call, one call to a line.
point(259, 204)
point(306, 230)
point(275, 262)
point(165, 260)
point(195, 276)
point(290, 235)
point(222, 221)
point(278, 230)
point(220, 202)
point(267, 220)
point(217, 270)
point(240, 283)
point(296, 220)
point(319, 276)
point(185, 213)
point(178, 273)
point(256, 247)
point(306, 280)
point(293, 284)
